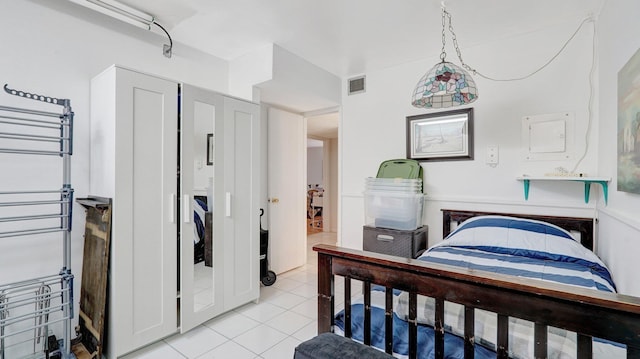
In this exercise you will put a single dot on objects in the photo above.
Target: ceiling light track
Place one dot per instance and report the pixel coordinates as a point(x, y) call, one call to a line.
point(125, 13)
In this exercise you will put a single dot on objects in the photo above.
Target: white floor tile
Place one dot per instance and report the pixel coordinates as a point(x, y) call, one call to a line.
point(289, 322)
point(196, 342)
point(227, 350)
point(286, 300)
point(307, 332)
point(308, 308)
point(291, 273)
point(157, 350)
point(232, 324)
point(287, 284)
point(284, 349)
point(307, 290)
point(260, 312)
point(305, 277)
point(269, 292)
point(260, 338)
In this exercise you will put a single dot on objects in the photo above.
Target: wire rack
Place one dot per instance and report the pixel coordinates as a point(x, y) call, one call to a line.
point(32, 309)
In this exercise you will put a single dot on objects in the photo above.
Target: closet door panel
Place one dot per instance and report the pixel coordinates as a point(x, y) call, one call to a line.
point(242, 252)
point(201, 283)
point(143, 272)
point(150, 256)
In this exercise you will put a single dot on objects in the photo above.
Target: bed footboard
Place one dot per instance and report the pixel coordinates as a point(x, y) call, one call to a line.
point(589, 313)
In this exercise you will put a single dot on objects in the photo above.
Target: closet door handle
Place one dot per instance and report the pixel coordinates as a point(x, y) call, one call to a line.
point(172, 208)
point(227, 207)
point(186, 208)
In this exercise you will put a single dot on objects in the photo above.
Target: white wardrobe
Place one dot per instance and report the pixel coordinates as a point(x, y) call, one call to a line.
point(156, 145)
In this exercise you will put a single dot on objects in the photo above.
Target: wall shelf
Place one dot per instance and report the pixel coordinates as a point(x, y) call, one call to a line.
point(603, 181)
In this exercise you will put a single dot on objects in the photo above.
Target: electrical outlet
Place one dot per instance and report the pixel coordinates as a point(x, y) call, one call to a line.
point(492, 155)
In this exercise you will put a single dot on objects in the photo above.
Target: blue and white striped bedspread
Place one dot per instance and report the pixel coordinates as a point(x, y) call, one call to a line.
point(505, 245)
point(523, 248)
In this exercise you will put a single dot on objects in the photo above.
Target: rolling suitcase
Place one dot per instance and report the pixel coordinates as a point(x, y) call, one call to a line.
point(267, 277)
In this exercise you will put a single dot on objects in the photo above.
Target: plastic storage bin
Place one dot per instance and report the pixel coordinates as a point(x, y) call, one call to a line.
point(400, 168)
point(408, 244)
point(393, 184)
point(393, 209)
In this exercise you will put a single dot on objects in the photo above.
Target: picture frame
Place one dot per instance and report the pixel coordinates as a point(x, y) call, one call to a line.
point(210, 149)
point(628, 151)
point(441, 136)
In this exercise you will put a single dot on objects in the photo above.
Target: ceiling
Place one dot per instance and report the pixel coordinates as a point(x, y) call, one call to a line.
point(347, 37)
point(323, 126)
point(350, 37)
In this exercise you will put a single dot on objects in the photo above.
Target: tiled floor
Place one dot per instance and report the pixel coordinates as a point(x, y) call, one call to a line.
point(285, 316)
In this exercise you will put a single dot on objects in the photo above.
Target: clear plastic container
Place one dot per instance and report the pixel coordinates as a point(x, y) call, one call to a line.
point(393, 184)
point(393, 209)
point(393, 180)
point(383, 188)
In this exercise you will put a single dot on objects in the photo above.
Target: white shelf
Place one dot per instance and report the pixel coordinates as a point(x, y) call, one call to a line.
point(603, 181)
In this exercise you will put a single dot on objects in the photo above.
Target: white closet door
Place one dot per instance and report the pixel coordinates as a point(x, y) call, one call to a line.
point(144, 263)
point(201, 284)
point(241, 206)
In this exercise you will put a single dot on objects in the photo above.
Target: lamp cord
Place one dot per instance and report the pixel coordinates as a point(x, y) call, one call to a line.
point(475, 72)
point(591, 89)
point(591, 71)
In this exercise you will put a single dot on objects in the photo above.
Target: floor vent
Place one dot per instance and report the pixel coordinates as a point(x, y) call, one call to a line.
point(356, 85)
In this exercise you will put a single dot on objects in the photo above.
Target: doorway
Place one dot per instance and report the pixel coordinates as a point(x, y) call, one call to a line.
point(315, 186)
point(288, 134)
point(322, 172)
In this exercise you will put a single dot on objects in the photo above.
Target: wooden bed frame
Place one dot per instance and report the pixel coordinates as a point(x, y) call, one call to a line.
point(587, 312)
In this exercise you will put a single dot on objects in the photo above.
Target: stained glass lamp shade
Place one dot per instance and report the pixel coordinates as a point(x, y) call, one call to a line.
point(445, 85)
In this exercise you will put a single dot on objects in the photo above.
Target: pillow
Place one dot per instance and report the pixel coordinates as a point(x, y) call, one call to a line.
point(531, 225)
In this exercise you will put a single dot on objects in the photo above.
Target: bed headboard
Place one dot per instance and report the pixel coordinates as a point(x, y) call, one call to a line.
point(583, 225)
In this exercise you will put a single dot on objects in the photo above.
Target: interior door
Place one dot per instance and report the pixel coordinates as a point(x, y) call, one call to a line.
point(201, 242)
point(287, 190)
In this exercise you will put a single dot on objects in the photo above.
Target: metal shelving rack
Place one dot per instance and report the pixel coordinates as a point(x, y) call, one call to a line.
point(30, 308)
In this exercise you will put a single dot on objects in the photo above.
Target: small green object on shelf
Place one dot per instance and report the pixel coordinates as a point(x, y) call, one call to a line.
point(604, 182)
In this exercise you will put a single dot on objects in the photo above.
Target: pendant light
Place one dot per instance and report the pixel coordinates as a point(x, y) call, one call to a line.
point(446, 84)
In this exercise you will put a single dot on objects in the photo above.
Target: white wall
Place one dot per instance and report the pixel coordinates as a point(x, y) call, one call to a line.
point(314, 165)
point(373, 130)
point(332, 185)
point(619, 227)
point(250, 69)
point(48, 51)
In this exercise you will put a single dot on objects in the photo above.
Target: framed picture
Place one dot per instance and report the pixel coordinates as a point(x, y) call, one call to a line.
point(629, 126)
point(441, 136)
point(210, 147)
